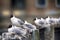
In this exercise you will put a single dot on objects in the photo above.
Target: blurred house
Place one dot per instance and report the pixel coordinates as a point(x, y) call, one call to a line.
point(32, 7)
point(28, 10)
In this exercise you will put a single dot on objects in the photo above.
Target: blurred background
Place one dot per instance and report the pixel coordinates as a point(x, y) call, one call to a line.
point(27, 10)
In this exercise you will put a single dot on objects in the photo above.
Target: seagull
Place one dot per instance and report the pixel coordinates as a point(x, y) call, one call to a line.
point(42, 24)
point(39, 22)
point(57, 20)
point(50, 20)
point(10, 36)
point(47, 20)
point(6, 35)
point(17, 30)
point(18, 37)
point(29, 26)
point(16, 21)
point(36, 21)
point(45, 25)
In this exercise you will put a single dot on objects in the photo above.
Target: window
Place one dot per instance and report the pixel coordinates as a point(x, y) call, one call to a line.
point(19, 4)
point(57, 3)
point(41, 3)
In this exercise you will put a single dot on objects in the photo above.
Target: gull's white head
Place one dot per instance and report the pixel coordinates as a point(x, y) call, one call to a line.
point(36, 18)
point(25, 22)
point(48, 18)
point(42, 19)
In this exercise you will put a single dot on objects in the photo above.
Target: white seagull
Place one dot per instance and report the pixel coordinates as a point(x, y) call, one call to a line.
point(16, 21)
point(29, 26)
point(10, 36)
point(42, 24)
point(6, 35)
point(17, 30)
point(58, 20)
point(50, 20)
point(39, 22)
point(36, 21)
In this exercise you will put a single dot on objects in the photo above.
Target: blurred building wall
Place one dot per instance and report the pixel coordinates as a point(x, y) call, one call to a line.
point(31, 6)
point(30, 10)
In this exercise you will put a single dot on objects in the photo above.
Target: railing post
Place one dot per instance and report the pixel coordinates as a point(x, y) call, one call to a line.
point(35, 35)
point(50, 35)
